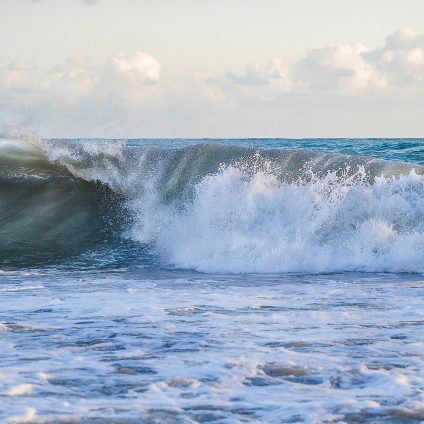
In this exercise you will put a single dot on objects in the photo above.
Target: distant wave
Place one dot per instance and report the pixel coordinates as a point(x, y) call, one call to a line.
point(211, 207)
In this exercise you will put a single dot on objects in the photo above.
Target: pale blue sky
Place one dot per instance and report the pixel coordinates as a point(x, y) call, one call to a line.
point(198, 44)
point(197, 35)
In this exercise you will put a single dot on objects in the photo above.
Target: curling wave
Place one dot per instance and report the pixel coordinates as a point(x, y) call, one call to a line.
point(212, 207)
point(47, 214)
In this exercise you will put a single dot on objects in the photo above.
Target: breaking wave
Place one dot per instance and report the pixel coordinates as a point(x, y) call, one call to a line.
point(210, 207)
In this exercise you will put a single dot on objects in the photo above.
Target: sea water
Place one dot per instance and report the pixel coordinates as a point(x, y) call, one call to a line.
point(222, 281)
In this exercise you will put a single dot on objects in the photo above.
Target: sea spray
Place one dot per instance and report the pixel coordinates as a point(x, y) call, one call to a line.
point(238, 223)
point(218, 208)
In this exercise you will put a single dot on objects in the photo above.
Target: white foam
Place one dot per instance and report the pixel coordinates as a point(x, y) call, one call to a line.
point(253, 223)
point(125, 348)
point(21, 288)
point(20, 390)
point(29, 416)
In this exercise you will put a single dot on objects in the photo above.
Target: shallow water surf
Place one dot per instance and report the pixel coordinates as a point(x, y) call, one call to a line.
point(211, 281)
point(183, 347)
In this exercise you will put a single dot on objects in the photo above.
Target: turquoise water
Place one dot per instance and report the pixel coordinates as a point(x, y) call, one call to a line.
point(409, 150)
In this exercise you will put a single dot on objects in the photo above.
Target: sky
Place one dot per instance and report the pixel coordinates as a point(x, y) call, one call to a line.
point(210, 68)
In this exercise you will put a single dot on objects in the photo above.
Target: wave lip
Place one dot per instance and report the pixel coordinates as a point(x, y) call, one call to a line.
point(46, 214)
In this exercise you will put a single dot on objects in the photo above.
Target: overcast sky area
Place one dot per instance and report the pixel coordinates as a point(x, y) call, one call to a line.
point(210, 68)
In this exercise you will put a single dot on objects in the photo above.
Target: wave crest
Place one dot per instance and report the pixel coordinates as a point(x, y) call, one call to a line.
point(218, 208)
point(255, 223)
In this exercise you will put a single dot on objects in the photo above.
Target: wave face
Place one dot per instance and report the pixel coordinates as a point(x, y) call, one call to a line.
point(212, 207)
point(47, 214)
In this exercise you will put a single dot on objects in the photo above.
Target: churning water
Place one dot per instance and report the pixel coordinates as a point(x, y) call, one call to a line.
point(211, 281)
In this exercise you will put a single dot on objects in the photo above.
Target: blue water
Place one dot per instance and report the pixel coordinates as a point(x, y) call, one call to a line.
point(183, 281)
point(409, 150)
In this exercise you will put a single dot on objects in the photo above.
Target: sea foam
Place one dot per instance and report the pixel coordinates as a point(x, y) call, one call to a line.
point(238, 223)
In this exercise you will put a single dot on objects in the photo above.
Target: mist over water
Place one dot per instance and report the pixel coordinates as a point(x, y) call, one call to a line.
point(211, 280)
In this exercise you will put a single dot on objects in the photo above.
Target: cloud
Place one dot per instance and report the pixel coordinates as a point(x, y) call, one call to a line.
point(336, 69)
point(79, 92)
point(137, 65)
point(262, 74)
point(341, 68)
point(126, 76)
point(341, 89)
point(261, 81)
point(350, 69)
point(401, 59)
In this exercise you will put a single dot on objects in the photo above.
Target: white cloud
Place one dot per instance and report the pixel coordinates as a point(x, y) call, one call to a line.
point(341, 86)
point(138, 65)
point(403, 39)
point(401, 60)
point(77, 96)
point(343, 69)
point(341, 89)
point(74, 77)
point(133, 77)
point(339, 67)
point(350, 69)
point(126, 76)
point(273, 71)
point(261, 81)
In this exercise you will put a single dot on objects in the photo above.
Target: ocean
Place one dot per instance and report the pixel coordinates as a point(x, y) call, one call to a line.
point(212, 281)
